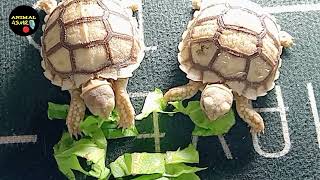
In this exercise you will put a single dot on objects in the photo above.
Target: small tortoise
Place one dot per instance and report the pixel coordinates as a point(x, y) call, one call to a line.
point(91, 48)
point(230, 46)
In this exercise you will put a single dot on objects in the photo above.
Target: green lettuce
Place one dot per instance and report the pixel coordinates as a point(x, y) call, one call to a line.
point(154, 165)
point(204, 126)
point(108, 125)
point(67, 151)
point(57, 111)
point(187, 155)
point(176, 170)
point(154, 103)
point(91, 147)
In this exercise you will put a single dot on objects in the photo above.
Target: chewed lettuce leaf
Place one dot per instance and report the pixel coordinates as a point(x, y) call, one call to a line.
point(156, 165)
point(91, 147)
point(67, 151)
point(186, 176)
point(138, 163)
point(109, 127)
point(57, 111)
point(176, 170)
point(111, 131)
point(204, 126)
point(154, 103)
point(187, 155)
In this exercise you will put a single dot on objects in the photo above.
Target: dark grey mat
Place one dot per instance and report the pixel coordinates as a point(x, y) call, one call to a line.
point(24, 94)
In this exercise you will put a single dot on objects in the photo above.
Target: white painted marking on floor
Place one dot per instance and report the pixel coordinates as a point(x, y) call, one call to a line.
point(270, 109)
point(285, 131)
point(150, 135)
point(33, 43)
point(195, 140)
point(151, 48)
point(314, 110)
point(225, 147)
point(155, 119)
point(138, 94)
point(18, 139)
point(282, 8)
point(293, 8)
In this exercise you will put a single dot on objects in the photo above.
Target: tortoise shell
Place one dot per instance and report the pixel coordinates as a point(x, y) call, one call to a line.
point(236, 43)
point(89, 38)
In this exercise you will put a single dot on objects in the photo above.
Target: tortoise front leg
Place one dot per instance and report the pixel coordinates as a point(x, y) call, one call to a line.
point(286, 39)
point(46, 5)
point(76, 112)
point(248, 114)
point(183, 92)
point(123, 103)
point(196, 4)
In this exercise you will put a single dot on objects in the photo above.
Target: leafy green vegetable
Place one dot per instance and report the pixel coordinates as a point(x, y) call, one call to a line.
point(67, 150)
point(57, 111)
point(154, 103)
point(175, 170)
point(187, 176)
point(138, 163)
point(147, 163)
point(148, 177)
point(205, 127)
point(109, 127)
point(92, 146)
point(155, 165)
point(89, 126)
point(190, 176)
point(187, 155)
point(111, 131)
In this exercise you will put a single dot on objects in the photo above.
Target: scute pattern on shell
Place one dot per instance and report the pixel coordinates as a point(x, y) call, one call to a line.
point(82, 43)
point(222, 48)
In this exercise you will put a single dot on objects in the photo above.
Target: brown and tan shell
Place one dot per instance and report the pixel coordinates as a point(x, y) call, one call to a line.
point(235, 43)
point(84, 39)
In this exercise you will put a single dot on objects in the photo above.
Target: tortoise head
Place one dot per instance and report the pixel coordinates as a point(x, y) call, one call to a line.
point(98, 96)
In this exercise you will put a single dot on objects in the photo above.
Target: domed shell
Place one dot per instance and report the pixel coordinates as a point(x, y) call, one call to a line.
point(235, 43)
point(90, 38)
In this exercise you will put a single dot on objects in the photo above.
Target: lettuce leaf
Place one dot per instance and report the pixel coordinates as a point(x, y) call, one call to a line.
point(138, 163)
point(89, 126)
point(187, 176)
point(153, 165)
point(154, 103)
point(91, 147)
point(204, 126)
point(67, 151)
point(187, 155)
point(176, 170)
point(57, 111)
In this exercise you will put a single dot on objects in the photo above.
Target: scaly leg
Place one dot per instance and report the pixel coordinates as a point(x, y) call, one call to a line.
point(248, 114)
point(196, 4)
point(286, 39)
point(183, 92)
point(76, 112)
point(46, 5)
point(123, 103)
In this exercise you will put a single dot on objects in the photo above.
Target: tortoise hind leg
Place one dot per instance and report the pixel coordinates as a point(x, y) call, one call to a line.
point(123, 103)
point(76, 112)
point(46, 5)
point(248, 114)
point(183, 92)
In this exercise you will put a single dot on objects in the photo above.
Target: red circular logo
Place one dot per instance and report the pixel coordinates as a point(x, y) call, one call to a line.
point(25, 29)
